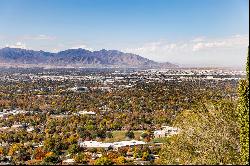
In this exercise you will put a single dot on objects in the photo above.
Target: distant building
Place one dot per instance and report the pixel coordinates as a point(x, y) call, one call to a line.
point(114, 145)
point(30, 129)
point(166, 131)
point(17, 126)
point(86, 113)
point(171, 130)
point(95, 144)
point(4, 128)
point(159, 133)
point(68, 162)
point(109, 81)
point(60, 116)
point(210, 77)
point(117, 145)
point(6, 112)
point(106, 88)
point(79, 89)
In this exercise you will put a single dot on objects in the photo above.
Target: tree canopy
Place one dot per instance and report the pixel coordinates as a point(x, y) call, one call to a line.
point(243, 111)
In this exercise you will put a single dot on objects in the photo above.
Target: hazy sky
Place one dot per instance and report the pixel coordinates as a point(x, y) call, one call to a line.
point(192, 32)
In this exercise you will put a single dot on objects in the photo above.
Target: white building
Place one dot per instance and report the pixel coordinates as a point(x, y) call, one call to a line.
point(79, 89)
point(68, 161)
point(115, 145)
point(7, 112)
point(17, 126)
point(106, 88)
point(30, 129)
point(159, 133)
point(4, 128)
point(95, 144)
point(85, 113)
point(171, 130)
point(166, 131)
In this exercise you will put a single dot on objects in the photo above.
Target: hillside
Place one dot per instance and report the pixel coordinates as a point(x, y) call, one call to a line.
point(77, 58)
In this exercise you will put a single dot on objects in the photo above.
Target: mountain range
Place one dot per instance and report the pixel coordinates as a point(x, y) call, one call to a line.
point(77, 58)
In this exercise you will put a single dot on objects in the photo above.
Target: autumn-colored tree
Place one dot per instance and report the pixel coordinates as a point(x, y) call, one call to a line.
point(14, 149)
point(1, 151)
point(145, 156)
point(73, 149)
point(51, 159)
point(243, 111)
point(209, 135)
point(39, 153)
point(121, 160)
point(80, 158)
point(103, 161)
point(19, 153)
point(112, 155)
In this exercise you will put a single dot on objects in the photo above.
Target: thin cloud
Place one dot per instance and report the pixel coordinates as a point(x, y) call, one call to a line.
point(196, 44)
point(198, 39)
point(2, 37)
point(39, 37)
point(229, 50)
point(83, 46)
point(17, 45)
point(230, 42)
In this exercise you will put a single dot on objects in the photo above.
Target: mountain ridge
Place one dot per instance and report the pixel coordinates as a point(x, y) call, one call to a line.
point(78, 58)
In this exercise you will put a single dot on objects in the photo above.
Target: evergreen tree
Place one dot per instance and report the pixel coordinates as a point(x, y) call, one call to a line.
point(243, 110)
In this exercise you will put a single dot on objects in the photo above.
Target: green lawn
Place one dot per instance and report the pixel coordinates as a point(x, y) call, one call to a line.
point(159, 140)
point(120, 136)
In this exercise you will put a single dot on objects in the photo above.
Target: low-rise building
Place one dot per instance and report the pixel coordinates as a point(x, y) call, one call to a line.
point(17, 126)
point(79, 89)
point(85, 113)
point(95, 144)
point(166, 131)
point(114, 145)
point(68, 162)
point(30, 129)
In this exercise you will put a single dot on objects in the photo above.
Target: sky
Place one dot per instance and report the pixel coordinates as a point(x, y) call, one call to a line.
point(185, 32)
